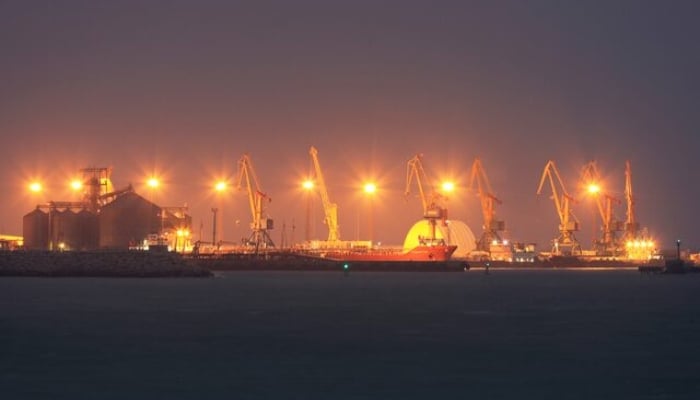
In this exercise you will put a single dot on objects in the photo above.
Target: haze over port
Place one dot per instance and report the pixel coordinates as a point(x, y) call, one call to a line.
point(181, 90)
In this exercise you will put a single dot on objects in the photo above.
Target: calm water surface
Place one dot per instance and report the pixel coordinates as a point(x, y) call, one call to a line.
point(323, 335)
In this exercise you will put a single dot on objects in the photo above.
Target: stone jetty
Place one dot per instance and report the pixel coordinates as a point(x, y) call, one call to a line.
point(98, 264)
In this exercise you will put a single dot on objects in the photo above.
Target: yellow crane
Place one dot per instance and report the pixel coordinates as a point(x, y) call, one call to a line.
point(257, 199)
point(432, 211)
point(488, 200)
point(565, 243)
point(330, 209)
point(608, 245)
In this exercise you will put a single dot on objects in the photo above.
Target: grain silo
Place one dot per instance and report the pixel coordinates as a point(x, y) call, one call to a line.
point(64, 229)
point(127, 220)
point(35, 229)
point(88, 231)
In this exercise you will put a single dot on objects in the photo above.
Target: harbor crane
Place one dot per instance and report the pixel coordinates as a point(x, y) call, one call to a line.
point(566, 243)
point(609, 244)
point(491, 226)
point(432, 211)
point(330, 209)
point(257, 199)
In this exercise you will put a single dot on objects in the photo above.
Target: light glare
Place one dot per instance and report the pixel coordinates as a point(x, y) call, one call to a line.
point(35, 187)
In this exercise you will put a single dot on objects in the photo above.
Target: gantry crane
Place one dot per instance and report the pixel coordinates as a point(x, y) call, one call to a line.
point(566, 243)
point(432, 211)
point(609, 244)
point(257, 198)
point(330, 209)
point(492, 226)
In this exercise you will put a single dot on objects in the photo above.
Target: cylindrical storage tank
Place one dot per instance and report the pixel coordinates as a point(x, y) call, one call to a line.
point(88, 232)
point(35, 229)
point(66, 230)
point(128, 219)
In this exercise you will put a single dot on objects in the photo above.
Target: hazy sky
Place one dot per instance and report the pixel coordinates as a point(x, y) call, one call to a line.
point(184, 88)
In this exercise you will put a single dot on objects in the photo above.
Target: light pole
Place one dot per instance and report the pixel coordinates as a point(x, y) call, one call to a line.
point(594, 190)
point(219, 188)
point(214, 210)
point(370, 188)
point(153, 184)
point(36, 188)
point(308, 186)
point(76, 185)
point(447, 188)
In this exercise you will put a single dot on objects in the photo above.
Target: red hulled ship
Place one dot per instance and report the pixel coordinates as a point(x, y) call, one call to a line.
point(424, 252)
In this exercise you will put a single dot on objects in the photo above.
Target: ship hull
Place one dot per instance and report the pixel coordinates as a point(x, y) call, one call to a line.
point(417, 254)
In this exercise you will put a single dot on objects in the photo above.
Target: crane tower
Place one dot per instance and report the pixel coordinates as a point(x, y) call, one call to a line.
point(492, 226)
point(330, 209)
point(566, 243)
point(432, 210)
point(257, 199)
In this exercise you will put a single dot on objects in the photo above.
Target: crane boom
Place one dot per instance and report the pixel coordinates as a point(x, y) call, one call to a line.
point(247, 175)
point(330, 209)
point(566, 243)
point(414, 170)
point(429, 200)
point(488, 206)
point(256, 200)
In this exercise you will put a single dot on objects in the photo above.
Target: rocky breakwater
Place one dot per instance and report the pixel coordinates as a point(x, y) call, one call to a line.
point(97, 264)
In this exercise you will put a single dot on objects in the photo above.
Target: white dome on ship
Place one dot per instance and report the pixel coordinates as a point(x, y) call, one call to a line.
point(456, 232)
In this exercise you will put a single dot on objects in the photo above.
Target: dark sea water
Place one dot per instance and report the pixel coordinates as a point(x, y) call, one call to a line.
point(323, 335)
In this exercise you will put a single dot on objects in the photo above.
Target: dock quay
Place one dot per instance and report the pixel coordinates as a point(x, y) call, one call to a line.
point(670, 267)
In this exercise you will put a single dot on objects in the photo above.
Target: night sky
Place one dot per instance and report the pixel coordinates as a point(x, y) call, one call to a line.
point(183, 89)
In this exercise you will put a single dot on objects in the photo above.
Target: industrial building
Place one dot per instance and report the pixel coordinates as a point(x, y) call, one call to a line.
point(104, 219)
